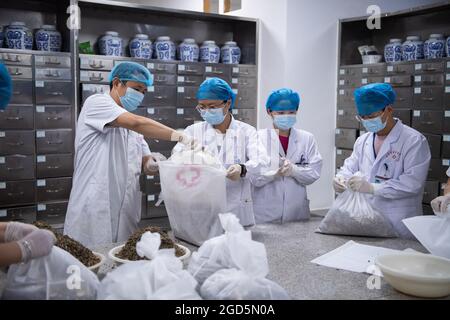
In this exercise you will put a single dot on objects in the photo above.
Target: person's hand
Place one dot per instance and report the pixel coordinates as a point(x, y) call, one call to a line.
point(186, 140)
point(360, 184)
point(38, 243)
point(286, 169)
point(152, 163)
point(440, 205)
point(339, 184)
point(234, 172)
point(17, 230)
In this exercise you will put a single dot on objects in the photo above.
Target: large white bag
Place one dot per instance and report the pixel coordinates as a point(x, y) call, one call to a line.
point(352, 214)
point(161, 278)
point(233, 284)
point(58, 276)
point(194, 195)
point(433, 232)
point(234, 249)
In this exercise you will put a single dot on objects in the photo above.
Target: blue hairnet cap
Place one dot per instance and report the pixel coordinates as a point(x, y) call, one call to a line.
point(131, 71)
point(5, 87)
point(216, 89)
point(374, 97)
point(283, 100)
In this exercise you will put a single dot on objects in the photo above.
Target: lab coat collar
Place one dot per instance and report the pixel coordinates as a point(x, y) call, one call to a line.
point(392, 137)
point(292, 146)
point(231, 131)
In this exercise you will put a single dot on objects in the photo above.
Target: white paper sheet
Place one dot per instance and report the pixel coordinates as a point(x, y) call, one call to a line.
point(432, 232)
point(354, 257)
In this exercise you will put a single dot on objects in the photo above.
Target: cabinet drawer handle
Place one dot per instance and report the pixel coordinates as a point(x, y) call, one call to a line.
point(94, 65)
point(54, 142)
point(160, 97)
point(17, 59)
point(21, 193)
point(14, 118)
point(190, 70)
point(15, 73)
point(429, 69)
point(56, 74)
point(428, 122)
point(17, 93)
point(217, 72)
point(96, 78)
point(401, 99)
point(428, 99)
point(15, 144)
point(429, 82)
point(50, 62)
point(54, 118)
point(53, 190)
point(190, 81)
point(53, 167)
point(55, 93)
point(189, 98)
point(161, 68)
point(15, 169)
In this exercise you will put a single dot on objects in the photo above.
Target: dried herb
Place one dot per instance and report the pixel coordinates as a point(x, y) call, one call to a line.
point(76, 249)
point(128, 252)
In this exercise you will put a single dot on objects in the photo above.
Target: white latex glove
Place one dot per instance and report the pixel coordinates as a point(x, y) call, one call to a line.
point(186, 140)
point(440, 206)
point(339, 184)
point(37, 244)
point(234, 172)
point(17, 230)
point(286, 169)
point(152, 164)
point(359, 184)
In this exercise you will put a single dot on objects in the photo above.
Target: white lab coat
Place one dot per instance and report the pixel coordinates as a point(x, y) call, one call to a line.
point(400, 169)
point(105, 201)
point(284, 199)
point(240, 146)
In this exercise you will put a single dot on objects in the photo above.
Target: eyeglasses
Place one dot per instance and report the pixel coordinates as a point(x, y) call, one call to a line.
point(203, 107)
point(372, 116)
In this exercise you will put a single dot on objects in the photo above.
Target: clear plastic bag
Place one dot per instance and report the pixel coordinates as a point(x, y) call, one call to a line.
point(234, 249)
point(352, 214)
point(58, 276)
point(194, 195)
point(233, 284)
point(161, 278)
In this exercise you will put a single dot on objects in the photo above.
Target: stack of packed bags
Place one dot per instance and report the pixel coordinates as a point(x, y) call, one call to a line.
point(233, 266)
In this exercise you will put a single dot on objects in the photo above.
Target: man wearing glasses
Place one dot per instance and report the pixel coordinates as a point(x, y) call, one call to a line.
point(393, 158)
point(233, 142)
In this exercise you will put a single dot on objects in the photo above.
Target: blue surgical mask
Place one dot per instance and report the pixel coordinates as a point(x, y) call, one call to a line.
point(284, 121)
point(374, 125)
point(213, 116)
point(132, 99)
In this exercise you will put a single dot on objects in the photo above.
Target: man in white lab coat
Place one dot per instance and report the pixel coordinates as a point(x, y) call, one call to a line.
point(393, 158)
point(110, 153)
point(233, 142)
point(280, 194)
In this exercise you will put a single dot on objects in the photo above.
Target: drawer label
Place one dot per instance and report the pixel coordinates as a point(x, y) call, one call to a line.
point(208, 69)
point(339, 152)
point(41, 207)
point(2, 160)
point(447, 89)
point(341, 82)
point(151, 89)
point(40, 109)
point(235, 69)
point(446, 138)
point(235, 112)
point(2, 134)
point(417, 90)
point(418, 66)
point(40, 134)
point(3, 213)
point(151, 110)
point(342, 72)
point(364, 81)
point(235, 81)
point(41, 183)
point(390, 68)
point(151, 197)
point(447, 76)
point(181, 79)
point(150, 65)
point(448, 64)
point(181, 67)
point(416, 113)
point(338, 131)
point(150, 177)
point(445, 162)
point(41, 159)
point(341, 112)
point(417, 78)
point(447, 114)
point(180, 89)
point(341, 92)
point(2, 185)
point(180, 111)
point(364, 70)
point(39, 84)
point(387, 79)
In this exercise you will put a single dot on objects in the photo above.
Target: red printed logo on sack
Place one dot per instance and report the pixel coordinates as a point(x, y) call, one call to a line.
point(394, 155)
point(188, 177)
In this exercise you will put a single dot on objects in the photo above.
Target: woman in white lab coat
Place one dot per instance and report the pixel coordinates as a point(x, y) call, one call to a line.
point(280, 194)
point(393, 158)
point(233, 142)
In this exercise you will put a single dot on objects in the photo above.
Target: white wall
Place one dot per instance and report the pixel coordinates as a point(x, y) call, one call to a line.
point(192, 5)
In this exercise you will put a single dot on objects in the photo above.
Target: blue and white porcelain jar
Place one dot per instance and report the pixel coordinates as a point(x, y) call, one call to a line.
point(434, 47)
point(110, 44)
point(18, 36)
point(231, 53)
point(393, 51)
point(188, 51)
point(48, 38)
point(448, 46)
point(141, 47)
point(2, 35)
point(209, 52)
point(412, 49)
point(165, 49)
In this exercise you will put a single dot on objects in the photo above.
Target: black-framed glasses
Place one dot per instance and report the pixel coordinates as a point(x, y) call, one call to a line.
point(203, 107)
